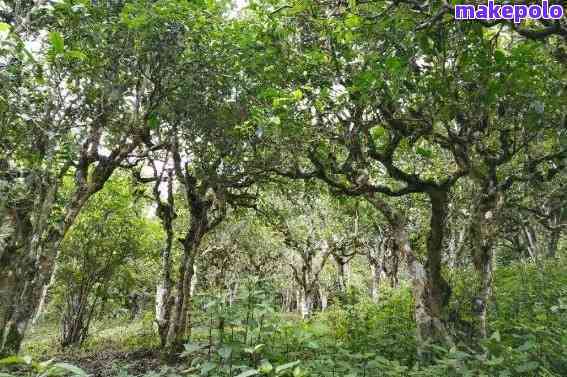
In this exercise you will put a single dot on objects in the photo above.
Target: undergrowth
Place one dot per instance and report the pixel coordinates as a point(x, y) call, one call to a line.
point(356, 338)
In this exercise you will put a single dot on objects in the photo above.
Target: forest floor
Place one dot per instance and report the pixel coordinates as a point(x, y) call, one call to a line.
point(528, 336)
point(114, 347)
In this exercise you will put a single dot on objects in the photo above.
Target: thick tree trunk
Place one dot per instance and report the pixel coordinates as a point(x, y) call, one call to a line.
point(26, 264)
point(483, 235)
point(42, 244)
point(182, 302)
point(180, 324)
point(439, 290)
point(38, 267)
point(429, 323)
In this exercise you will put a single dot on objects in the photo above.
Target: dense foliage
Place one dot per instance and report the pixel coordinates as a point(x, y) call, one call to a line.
point(279, 188)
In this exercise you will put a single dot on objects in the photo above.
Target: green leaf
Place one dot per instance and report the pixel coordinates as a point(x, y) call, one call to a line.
point(76, 54)
point(254, 349)
point(57, 42)
point(258, 347)
point(312, 344)
point(281, 368)
point(45, 364)
point(191, 348)
point(266, 367)
point(299, 6)
point(275, 120)
point(528, 367)
point(153, 121)
point(352, 21)
point(14, 360)
point(528, 345)
point(248, 373)
point(494, 361)
point(496, 336)
point(207, 367)
point(394, 64)
point(297, 94)
point(75, 370)
point(225, 352)
point(4, 29)
point(427, 153)
point(499, 57)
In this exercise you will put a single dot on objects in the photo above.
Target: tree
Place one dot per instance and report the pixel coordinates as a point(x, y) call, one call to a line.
point(86, 107)
point(107, 240)
point(375, 118)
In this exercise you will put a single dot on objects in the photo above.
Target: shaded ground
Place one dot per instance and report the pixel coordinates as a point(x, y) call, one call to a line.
point(115, 348)
point(113, 363)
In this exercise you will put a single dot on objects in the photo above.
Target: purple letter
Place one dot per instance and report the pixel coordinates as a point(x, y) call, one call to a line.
point(520, 14)
point(464, 12)
point(493, 10)
point(535, 11)
point(507, 12)
point(545, 9)
point(482, 12)
point(556, 11)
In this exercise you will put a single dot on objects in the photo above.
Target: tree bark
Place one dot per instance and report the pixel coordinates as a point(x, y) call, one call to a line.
point(439, 290)
point(341, 273)
point(376, 272)
point(429, 323)
point(163, 290)
point(41, 245)
point(306, 302)
point(483, 233)
point(180, 326)
point(324, 299)
point(553, 243)
point(182, 302)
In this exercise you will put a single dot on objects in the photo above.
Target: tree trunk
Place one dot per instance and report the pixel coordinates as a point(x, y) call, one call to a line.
point(324, 299)
point(341, 274)
point(429, 324)
point(553, 242)
point(483, 234)
point(180, 324)
point(376, 272)
point(177, 327)
point(163, 291)
point(439, 290)
point(232, 292)
point(42, 244)
point(532, 243)
point(194, 281)
point(166, 212)
point(306, 303)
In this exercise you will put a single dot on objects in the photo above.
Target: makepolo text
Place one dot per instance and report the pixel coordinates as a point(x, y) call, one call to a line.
point(516, 12)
